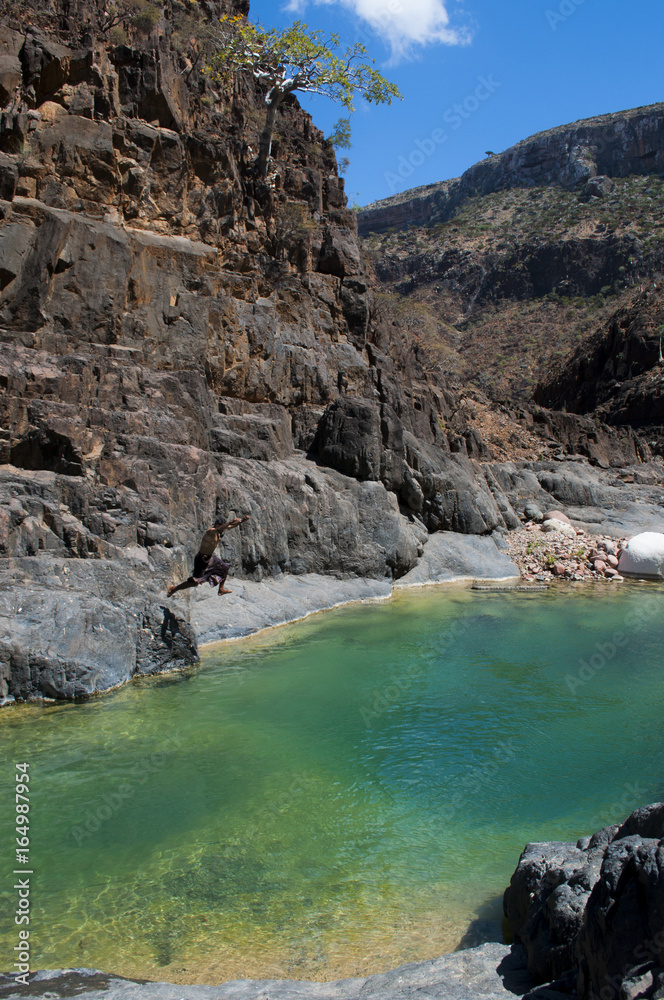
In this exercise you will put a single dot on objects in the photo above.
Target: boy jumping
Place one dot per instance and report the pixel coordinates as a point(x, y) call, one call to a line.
point(207, 566)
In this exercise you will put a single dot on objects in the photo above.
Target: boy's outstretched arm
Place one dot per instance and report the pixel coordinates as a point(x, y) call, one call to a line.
point(231, 524)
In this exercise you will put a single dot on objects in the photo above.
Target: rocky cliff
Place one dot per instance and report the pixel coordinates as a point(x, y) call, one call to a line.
point(530, 251)
point(182, 339)
point(618, 372)
point(570, 156)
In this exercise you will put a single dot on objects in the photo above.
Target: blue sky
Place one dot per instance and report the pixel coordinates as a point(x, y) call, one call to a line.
point(478, 75)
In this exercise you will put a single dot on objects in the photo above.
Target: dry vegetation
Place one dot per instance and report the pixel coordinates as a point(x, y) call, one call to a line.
point(504, 345)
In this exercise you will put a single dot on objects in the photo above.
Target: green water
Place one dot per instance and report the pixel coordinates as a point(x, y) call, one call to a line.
point(336, 796)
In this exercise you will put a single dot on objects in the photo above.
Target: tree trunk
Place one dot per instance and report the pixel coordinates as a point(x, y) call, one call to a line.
point(265, 147)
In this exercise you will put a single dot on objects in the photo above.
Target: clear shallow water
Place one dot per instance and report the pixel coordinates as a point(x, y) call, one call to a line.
point(337, 796)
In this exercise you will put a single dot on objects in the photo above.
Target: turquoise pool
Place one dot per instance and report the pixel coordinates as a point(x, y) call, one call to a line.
point(337, 796)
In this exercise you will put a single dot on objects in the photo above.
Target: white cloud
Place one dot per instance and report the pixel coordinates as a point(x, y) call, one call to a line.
point(403, 24)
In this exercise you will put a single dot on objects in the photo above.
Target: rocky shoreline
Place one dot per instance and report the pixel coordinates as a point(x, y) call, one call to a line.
point(253, 607)
point(489, 972)
point(109, 619)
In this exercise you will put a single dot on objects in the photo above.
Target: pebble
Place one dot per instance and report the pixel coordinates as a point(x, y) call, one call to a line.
point(546, 555)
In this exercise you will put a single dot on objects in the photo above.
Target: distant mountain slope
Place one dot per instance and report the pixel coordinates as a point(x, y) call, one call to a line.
point(617, 373)
point(531, 251)
point(615, 145)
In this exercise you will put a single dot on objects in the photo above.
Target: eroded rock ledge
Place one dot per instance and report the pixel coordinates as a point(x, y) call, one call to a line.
point(82, 596)
point(490, 972)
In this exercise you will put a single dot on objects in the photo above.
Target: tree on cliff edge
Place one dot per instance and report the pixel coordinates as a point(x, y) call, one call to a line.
point(297, 59)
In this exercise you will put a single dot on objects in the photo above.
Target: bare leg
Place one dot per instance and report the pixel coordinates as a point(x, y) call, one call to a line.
point(173, 589)
point(222, 585)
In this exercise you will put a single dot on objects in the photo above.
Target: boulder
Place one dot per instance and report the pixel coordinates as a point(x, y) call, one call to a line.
point(593, 912)
point(643, 555)
point(532, 513)
point(449, 556)
point(106, 620)
point(563, 527)
point(556, 515)
point(597, 187)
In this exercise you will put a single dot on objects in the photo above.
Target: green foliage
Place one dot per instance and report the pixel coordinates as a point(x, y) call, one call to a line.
point(118, 35)
point(299, 59)
point(339, 137)
point(296, 59)
point(194, 35)
point(291, 228)
point(140, 16)
point(145, 18)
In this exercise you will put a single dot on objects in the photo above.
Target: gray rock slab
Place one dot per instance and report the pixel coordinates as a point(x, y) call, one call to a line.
point(618, 523)
point(449, 556)
point(256, 606)
point(70, 628)
point(489, 972)
point(594, 499)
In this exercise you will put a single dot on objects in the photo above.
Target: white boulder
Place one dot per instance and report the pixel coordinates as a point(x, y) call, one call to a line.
point(643, 555)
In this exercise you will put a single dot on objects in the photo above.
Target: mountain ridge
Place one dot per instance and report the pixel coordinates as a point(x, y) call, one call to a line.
point(605, 145)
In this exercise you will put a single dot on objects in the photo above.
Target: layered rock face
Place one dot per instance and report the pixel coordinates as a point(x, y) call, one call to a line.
point(591, 915)
point(180, 340)
point(583, 153)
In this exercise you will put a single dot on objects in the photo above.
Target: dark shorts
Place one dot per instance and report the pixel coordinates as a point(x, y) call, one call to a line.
point(210, 568)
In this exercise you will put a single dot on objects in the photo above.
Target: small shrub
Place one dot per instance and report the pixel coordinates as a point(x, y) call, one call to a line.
point(145, 18)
